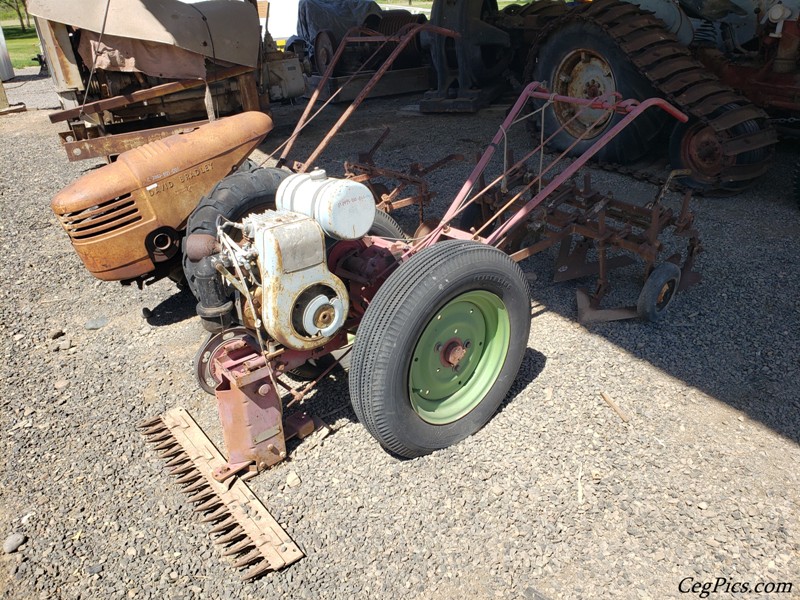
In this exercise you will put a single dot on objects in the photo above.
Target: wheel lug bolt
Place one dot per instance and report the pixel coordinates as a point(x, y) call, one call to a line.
point(467, 344)
point(437, 347)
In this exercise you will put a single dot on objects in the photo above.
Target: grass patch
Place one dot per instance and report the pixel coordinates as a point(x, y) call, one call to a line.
point(22, 46)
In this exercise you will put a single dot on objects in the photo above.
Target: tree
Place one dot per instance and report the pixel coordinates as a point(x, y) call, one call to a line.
point(19, 7)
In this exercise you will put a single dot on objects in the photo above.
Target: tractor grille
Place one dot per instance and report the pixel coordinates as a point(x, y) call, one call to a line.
point(101, 219)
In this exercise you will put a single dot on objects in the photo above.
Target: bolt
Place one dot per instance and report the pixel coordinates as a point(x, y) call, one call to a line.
point(264, 389)
point(262, 465)
point(437, 347)
point(467, 344)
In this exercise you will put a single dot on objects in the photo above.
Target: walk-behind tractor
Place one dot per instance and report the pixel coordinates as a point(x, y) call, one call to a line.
point(436, 326)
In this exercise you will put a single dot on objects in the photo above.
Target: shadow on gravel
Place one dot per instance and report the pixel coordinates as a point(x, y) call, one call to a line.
point(533, 363)
point(178, 307)
point(736, 335)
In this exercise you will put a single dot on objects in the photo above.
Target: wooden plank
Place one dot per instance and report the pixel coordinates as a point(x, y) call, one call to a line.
point(146, 94)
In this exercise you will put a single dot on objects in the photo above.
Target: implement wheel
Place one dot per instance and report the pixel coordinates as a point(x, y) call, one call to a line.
point(439, 347)
point(658, 291)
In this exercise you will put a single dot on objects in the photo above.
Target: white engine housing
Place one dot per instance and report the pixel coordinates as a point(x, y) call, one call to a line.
point(303, 304)
point(344, 208)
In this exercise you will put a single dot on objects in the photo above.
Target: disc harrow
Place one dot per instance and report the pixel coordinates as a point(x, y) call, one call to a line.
point(240, 523)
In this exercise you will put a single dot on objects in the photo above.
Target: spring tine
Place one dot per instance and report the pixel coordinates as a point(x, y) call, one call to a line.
point(238, 547)
point(226, 524)
point(190, 477)
point(182, 469)
point(256, 571)
point(166, 444)
point(209, 504)
point(200, 496)
point(159, 437)
point(195, 486)
point(217, 514)
point(230, 536)
point(145, 423)
point(170, 453)
point(177, 460)
point(247, 559)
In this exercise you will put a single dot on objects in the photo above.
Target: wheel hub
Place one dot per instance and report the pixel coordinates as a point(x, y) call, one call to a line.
point(453, 352)
point(583, 74)
point(458, 357)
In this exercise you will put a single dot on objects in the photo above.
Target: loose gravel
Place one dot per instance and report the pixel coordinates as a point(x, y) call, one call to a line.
point(556, 497)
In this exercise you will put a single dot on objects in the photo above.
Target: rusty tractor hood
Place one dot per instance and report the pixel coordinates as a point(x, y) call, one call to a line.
point(111, 213)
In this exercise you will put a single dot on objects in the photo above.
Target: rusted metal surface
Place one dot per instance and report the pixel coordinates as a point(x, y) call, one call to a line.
point(402, 38)
point(407, 189)
point(61, 59)
point(125, 218)
point(96, 145)
point(687, 84)
point(241, 524)
point(146, 94)
point(529, 209)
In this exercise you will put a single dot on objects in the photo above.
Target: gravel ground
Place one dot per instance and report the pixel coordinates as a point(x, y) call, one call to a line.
point(555, 498)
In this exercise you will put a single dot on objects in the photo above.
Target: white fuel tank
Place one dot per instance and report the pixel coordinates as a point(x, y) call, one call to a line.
point(344, 209)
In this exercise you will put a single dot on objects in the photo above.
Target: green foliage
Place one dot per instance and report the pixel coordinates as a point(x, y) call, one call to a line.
point(22, 47)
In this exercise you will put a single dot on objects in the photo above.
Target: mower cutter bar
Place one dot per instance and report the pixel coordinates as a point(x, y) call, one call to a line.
point(241, 523)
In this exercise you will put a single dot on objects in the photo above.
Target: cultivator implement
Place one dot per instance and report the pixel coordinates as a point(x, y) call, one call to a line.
point(526, 210)
point(240, 523)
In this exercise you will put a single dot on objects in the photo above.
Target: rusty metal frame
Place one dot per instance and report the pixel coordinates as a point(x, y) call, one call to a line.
point(564, 214)
point(241, 524)
point(367, 172)
point(355, 35)
point(89, 142)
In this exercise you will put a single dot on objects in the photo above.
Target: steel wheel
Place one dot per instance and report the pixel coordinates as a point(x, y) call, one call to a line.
point(699, 147)
point(435, 355)
point(458, 357)
point(583, 74)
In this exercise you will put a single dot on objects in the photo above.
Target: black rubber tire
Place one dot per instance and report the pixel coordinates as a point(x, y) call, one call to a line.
point(386, 227)
point(232, 198)
point(797, 184)
point(389, 332)
point(633, 141)
point(745, 158)
point(658, 292)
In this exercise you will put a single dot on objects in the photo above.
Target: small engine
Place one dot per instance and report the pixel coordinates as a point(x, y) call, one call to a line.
point(281, 268)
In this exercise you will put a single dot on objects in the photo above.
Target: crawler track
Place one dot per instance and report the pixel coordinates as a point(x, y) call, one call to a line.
point(739, 142)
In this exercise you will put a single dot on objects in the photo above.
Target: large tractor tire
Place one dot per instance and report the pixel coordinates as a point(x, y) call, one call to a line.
point(582, 61)
point(439, 347)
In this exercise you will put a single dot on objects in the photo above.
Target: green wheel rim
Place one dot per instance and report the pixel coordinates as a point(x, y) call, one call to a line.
point(458, 357)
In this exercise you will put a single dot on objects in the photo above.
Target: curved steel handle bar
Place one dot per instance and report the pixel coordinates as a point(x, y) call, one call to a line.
point(633, 108)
